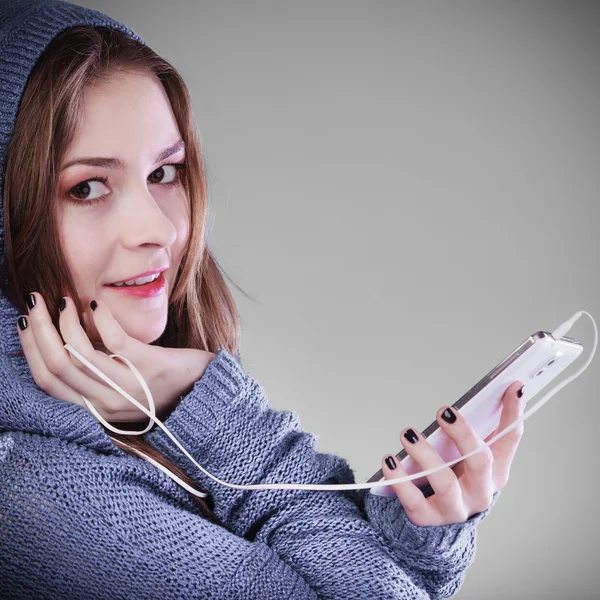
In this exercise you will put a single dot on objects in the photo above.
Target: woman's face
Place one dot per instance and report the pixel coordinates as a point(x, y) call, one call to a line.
point(134, 221)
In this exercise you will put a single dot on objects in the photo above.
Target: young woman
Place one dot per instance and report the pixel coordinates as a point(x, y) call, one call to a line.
point(103, 183)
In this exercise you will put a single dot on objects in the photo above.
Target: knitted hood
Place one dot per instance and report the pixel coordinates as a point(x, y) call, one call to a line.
point(26, 29)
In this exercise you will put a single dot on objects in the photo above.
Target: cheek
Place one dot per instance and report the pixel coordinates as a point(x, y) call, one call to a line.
point(82, 243)
point(183, 232)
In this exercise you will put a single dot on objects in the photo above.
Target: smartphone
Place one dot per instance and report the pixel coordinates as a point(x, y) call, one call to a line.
point(536, 362)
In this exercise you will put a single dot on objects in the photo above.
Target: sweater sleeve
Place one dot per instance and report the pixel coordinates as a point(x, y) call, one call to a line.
point(228, 426)
point(79, 524)
point(439, 554)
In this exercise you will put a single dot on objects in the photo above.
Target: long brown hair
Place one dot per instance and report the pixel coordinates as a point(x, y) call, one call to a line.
point(202, 313)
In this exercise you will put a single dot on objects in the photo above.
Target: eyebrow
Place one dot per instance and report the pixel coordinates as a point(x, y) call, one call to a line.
point(116, 163)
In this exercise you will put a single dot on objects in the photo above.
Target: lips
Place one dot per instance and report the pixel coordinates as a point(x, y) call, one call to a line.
point(144, 274)
point(154, 288)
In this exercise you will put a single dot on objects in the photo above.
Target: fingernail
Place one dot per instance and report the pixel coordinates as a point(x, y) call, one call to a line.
point(62, 304)
point(93, 305)
point(448, 415)
point(22, 321)
point(411, 436)
point(390, 462)
point(520, 392)
point(31, 300)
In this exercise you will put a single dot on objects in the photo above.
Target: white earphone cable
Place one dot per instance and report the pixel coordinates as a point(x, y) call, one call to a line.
point(562, 329)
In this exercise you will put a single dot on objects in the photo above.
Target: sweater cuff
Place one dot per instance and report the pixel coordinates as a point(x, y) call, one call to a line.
point(388, 516)
point(193, 421)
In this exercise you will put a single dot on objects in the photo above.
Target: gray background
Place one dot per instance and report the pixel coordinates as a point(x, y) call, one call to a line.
point(407, 190)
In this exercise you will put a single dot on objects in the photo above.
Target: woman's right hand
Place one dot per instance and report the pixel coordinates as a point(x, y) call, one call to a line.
point(168, 372)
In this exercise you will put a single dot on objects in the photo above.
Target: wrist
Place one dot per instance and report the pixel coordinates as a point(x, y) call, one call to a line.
point(195, 369)
point(189, 372)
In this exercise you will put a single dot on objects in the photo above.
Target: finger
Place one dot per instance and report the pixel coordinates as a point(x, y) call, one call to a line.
point(41, 375)
point(448, 492)
point(505, 448)
point(416, 506)
point(58, 361)
point(476, 480)
point(74, 334)
point(458, 468)
point(114, 337)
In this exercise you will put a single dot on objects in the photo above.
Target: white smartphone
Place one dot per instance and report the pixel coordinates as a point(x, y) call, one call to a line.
point(536, 362)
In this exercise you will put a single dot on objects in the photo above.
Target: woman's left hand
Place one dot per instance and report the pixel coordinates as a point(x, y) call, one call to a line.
point(466, 488)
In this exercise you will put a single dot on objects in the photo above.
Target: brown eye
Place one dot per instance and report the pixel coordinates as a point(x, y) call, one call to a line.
point(81, 190)
point(171, 174)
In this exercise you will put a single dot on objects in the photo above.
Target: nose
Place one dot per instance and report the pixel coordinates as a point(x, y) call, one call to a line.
point(143, 222)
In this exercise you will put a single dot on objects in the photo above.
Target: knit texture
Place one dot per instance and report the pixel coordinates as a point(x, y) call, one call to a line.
point(82, 519)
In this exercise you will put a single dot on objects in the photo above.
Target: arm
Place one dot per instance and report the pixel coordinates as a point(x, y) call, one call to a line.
point(226, 423)
point(80, 524)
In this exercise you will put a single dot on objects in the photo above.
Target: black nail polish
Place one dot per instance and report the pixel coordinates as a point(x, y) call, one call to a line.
point(411, 436)
point(31, 301)
point(22, 321)
point(520, 392)
point(390, 462)
point(93, 305)
point(62, 304)
point(449, 416)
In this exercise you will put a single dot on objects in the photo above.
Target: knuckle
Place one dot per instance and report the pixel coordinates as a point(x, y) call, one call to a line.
point(58, 367)
point(449, 490)
point(112, 404)
point(502, 480)
point(411, 508)
point(462, 515)
point(486, 458)
point(43, 381)
point(484, 462)
point(118, 342)
point(484, 502)
point(107, 408)
point(417, 518)
point(79, 365)
point(517, 433)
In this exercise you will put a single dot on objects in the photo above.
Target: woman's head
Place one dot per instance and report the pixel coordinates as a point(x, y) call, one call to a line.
point(136, 219)
point(73, 229)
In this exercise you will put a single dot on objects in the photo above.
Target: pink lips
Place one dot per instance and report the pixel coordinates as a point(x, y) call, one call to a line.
point(154, 288)
point(144, 274)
